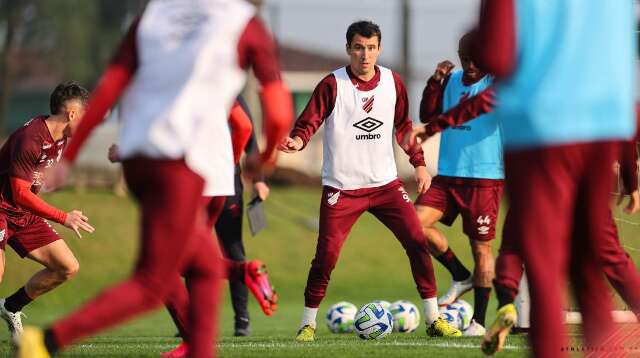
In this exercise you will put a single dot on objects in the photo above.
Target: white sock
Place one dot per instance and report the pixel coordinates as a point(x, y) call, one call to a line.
point(309, 317)
point(431, 312)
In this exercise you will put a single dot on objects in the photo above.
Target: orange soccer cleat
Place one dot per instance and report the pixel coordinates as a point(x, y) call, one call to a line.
point(257, 280)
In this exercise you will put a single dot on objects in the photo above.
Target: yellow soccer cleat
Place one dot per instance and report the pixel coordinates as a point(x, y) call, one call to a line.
point(306, 334)
point(442, 328)
point(497, 333)
point(31, 344)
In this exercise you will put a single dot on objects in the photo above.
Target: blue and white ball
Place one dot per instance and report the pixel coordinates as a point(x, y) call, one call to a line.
point(373, 321)
point(465, 310)
point(340, 317)
point(452, 316)
point(406, 317)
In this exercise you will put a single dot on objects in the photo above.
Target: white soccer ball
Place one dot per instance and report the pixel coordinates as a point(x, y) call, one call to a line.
point(373, 321)
point(452, 316)
point(340, 317)
point(383, 303)
point(406, 317)
point(466, 312)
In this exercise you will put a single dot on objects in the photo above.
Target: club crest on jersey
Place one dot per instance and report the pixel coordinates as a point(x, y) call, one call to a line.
point(333, 198)
point(368, 104)
point(2, 233)
point(368, 125)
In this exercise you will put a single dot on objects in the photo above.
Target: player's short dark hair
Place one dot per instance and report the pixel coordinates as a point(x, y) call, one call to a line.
point(67, 91)
point(363, 28)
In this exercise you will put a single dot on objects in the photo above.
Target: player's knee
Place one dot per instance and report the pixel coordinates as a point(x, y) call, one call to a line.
point(69, 270)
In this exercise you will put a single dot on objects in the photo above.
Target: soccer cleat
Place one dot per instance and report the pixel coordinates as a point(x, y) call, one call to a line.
point(181, 351)
point(497, 333)
point(457, 289)
point(14, 320)
point(306, 334)
point(475, 329)
point(442, 328)
point(31, 344)
point(257, 280)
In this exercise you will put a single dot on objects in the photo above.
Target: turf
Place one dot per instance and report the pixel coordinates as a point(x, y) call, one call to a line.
point(372, 266)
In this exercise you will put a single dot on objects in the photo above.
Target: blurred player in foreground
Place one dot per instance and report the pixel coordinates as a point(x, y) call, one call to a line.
point(565, 102)
point(182, 65)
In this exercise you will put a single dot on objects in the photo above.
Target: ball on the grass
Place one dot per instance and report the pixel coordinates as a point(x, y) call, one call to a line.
point(383, 303)
point(406, 317)
point(340, 317)
point(452, 316)
point(466, 312)
point(373, 321)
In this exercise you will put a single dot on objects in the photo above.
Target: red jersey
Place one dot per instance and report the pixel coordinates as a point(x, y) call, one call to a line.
point(25, 156)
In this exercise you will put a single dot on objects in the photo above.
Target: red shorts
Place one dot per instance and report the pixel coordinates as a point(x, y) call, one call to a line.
point(476, 200)
point(34, 234)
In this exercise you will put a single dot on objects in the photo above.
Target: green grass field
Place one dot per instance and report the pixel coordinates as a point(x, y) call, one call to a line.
point(372, 266)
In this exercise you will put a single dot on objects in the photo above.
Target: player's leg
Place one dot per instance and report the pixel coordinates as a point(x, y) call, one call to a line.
point(619, 268)
point(40, 243)
point(480, 206)
point(393, 208)
point(542, 196)
point(589, 240)
point(338, 212)
point(438, 205)
point(168, 229)
point(229, 231)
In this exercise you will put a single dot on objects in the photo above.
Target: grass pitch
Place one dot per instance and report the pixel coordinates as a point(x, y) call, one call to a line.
point(372, 266)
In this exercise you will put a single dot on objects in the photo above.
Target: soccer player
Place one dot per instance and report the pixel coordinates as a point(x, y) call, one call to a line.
point(182, 65)
point(362, 105)
point(24, 157)
point(619, 269)
point(229, 228)
point(469, 182)
point(565, 98)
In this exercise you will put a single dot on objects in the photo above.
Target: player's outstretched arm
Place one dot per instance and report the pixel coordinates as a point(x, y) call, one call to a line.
point(25, 198)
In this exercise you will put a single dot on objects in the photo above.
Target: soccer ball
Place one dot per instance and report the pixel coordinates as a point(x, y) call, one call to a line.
point(406, 317)
point(383, 303)
point(340, 317)
point(373, 321)
point(452, 316)
point(466, 312)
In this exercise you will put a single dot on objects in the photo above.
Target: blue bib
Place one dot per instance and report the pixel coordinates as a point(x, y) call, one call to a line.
point(575, 74)
point(474, 149)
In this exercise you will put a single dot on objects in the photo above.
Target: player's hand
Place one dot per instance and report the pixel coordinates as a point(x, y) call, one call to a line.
point(634, 202)
point(261, 189)
point(423, 179)
point(442, 70)
point(255, 168)
point(291, 145)
point(57, 175)
point(77, 221)
point(114, 156)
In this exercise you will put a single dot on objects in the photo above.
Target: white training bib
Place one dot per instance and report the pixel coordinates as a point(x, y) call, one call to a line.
point(188, 77)
point(359, 135)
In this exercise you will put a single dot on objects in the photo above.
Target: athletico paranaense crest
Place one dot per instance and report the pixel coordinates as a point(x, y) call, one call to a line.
point(368, 104)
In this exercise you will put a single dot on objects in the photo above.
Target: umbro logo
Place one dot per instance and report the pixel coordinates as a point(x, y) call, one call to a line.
point(46, 145)
point(368, 124)
point(2, 233)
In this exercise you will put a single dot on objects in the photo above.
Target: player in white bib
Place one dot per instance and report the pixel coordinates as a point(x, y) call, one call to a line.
point(362, 105)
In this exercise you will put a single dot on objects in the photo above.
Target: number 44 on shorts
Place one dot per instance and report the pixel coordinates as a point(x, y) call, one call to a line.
point(483, 224)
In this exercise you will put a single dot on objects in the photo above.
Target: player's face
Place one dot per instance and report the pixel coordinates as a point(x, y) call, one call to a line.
point(74, 111)
point(470, 69)
point(364, 52)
